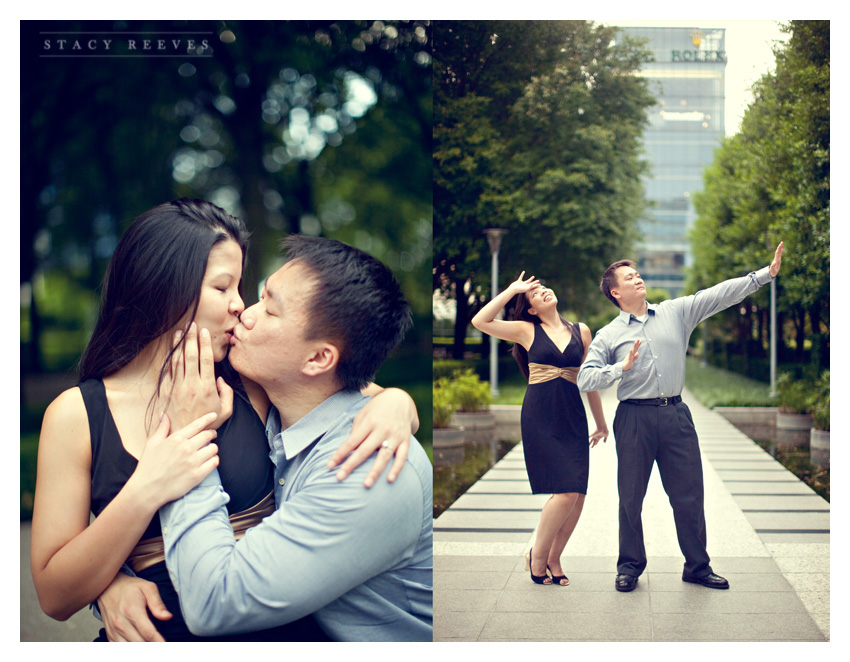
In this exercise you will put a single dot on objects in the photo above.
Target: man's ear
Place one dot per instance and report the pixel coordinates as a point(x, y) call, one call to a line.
point(616, 294)
point(325, 358)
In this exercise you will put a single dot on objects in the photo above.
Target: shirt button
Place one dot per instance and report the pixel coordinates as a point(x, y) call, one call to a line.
point(280, 481)
point(165, 530)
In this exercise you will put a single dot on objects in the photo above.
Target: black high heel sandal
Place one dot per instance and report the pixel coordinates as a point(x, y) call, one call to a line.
point(537, 579)
point(556, 579)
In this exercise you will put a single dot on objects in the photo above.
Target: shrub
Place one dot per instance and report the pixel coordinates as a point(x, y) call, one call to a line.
point(446, 368)
point(469, 392)
point(794, 395)
point(443, 405)
point(820, 405)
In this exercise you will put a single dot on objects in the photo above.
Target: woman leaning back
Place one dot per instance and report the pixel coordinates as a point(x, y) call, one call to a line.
point(107, 440)
point(549, 351)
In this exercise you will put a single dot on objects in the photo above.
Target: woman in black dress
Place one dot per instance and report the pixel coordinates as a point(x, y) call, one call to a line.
point(549, 351)
point(102, 440)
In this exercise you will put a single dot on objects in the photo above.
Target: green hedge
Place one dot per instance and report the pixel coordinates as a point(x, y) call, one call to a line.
point(715, 387)
point(29, 458)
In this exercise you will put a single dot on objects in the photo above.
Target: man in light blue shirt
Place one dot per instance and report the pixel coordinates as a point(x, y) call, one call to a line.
point(359, 560)
point(644, 347)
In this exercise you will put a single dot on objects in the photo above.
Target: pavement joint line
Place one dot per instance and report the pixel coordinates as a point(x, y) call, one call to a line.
point(495, 494)
point(503, 480)
point(501, 510)
point(760, 494)
point(448, 529)
point(790, 531)
point(795, 512)
point(762, 481)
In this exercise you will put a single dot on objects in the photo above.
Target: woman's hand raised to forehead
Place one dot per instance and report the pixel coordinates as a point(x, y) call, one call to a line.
point(191, 388)
point(520, 285)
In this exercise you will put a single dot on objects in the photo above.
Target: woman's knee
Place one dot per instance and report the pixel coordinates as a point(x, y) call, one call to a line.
point(568, 498)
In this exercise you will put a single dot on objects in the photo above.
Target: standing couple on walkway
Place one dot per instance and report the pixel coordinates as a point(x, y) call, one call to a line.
point(644, 348)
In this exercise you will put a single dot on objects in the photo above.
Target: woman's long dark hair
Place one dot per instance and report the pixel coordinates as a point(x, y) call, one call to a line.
point(520, 305)
point(154, 279)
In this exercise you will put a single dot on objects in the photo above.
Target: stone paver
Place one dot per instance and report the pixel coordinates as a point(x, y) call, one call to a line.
point(768, 533)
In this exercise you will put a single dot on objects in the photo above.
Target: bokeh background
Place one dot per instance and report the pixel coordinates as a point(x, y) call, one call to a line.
point(317, 127)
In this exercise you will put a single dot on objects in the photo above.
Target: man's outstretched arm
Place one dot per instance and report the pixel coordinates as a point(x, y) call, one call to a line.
point(705, 303)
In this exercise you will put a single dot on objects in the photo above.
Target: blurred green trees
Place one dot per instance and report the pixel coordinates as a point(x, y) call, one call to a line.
point(537, 125)
point(319, 127)
point(770, 183)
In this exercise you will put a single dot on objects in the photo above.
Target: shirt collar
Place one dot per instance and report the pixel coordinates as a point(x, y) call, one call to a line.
point(628, 317)
point(311, 427)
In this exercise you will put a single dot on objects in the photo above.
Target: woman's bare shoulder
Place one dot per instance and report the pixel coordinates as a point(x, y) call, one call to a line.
point(65, 417)
point(68, 403)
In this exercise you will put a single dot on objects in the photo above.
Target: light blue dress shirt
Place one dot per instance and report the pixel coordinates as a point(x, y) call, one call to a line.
point(360, 560)
point(663, 331)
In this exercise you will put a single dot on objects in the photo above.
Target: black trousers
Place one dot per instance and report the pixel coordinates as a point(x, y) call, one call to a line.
point(646, 435)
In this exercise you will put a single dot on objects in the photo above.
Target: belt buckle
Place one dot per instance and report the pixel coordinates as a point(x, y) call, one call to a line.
point(663, 403)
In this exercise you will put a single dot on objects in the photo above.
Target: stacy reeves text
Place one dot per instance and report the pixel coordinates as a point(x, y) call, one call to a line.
point(128, 45)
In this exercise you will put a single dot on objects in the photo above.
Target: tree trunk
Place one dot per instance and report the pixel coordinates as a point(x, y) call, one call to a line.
point(800, 324)
point(461, 320)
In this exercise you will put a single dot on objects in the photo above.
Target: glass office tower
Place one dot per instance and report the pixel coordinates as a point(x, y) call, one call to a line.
point(687, 125)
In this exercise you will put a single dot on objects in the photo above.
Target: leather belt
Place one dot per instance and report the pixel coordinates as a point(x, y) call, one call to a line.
point(656, 402)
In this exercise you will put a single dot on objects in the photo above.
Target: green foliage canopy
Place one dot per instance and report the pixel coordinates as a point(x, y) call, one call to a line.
point(320, 127)
point(537, 130)
point(770, 183)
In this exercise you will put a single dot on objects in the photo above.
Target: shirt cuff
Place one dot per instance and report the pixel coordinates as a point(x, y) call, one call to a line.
point(763, 276)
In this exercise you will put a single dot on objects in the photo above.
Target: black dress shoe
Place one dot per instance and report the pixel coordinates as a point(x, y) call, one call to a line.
point(625, 583)
point(710, 580)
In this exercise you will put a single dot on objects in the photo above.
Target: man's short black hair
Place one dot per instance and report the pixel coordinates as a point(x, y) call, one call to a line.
point(609, 279)
point(357, 304)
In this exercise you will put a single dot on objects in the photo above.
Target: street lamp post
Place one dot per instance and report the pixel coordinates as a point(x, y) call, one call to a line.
point(773, 338)
point(494, 238)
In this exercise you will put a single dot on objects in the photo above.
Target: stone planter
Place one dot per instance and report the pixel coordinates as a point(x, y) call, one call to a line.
point(755, 422)
point(448, 446)
point(819, 448)
point(479, 426)
point(792, 429)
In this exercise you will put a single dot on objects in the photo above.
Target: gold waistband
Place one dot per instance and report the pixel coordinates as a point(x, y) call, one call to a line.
point(540, 372)
point(151, 551)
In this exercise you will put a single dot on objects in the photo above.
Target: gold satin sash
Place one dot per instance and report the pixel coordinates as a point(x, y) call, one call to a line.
point(151, 551)
point(540, 372)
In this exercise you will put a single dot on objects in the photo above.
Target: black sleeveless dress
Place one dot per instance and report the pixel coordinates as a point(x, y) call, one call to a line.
point(247, 475)
point(554, 422)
